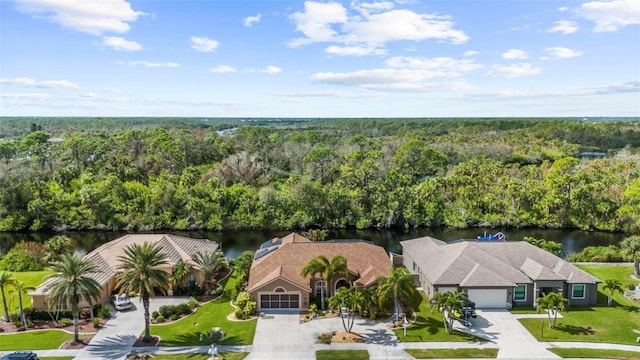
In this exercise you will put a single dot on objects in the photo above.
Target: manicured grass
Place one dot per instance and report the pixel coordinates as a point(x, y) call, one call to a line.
point(223, 356)
point(342, 355)
point(34, 340)
point(598, 323)
point(595, 353)
point(452, 353)
point(30, 278)
point(429, 327)
point(186, 332)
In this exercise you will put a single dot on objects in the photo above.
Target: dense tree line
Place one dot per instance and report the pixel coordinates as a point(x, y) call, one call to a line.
point(329, 173)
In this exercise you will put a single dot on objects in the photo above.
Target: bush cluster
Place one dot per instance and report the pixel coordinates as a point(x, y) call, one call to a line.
point(245, 307)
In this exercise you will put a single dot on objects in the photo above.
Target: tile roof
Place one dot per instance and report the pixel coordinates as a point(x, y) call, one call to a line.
point(364, 260)
point(485, 264)
point(105, 257)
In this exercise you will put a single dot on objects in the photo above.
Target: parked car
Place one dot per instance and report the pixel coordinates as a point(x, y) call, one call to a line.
point(120, 301)
point(22, 355)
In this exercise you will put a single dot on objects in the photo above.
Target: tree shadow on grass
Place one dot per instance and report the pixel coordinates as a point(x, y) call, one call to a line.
point(575, 330)
point(430, 325)
point(193, 339)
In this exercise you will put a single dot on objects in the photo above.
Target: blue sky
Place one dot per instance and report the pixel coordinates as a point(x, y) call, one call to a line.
point(405, 58)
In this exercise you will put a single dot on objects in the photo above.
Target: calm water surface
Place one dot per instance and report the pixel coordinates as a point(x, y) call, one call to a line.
point(234, 242)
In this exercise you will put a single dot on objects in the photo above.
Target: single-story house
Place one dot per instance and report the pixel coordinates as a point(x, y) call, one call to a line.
point(275, 280)
point(496, 274)
point(105, 257)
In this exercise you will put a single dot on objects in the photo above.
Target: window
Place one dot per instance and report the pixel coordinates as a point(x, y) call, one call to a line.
point(577, 291)
point(520, 292)
point(415, 267)
point(279, 290)
point(318, 289)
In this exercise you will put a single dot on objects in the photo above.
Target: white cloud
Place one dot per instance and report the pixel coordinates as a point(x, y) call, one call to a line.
point(93, 17)
point(203, 44)
point(611, 15)
point(627, 87)
point(250, 20)
point(562, 52)
point(389, 79)
point(335, 94)
point(515, 54)
point(565, 27)
point(513, 71)
point(150, 64)
point(563, 9)
point(222, 69)
point(443, 66)
point(470, 53)
point(354, 50)
point(120, 44)
point(51, 84)
point(371, 27)
point(271, 70)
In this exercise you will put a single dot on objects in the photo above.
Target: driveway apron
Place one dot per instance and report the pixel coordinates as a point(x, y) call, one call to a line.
point(279, 336)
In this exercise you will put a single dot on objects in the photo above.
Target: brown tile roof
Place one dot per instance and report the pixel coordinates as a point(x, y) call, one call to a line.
point(106, 256)
point(486, 264)
point(365, 260)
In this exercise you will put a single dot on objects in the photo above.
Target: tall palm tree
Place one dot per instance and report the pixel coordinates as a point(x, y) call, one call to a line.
point(327, 270)
point(631, 245)
point(612, 285)
point(5, 279)
point(397, 287)
point(447, 302)
point(141, 273)
point(552, 303)
point(71, 284)
point(181, 271)
point(21, 288)
point(209, 263)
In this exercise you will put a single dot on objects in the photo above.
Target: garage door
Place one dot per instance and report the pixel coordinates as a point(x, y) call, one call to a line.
point(280, 301)
point(489, 298)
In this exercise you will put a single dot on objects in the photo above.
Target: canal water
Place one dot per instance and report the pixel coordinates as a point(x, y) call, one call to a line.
point(235, 242)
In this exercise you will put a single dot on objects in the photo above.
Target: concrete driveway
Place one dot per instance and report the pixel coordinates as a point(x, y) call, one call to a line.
point(504, 329)
point(115, 339)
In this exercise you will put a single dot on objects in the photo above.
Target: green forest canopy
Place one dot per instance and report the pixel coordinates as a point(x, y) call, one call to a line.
point(142, 174)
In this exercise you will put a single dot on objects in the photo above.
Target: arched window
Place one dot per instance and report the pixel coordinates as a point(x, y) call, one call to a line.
point(318, 288)
point(279, 290)
point(342, 283)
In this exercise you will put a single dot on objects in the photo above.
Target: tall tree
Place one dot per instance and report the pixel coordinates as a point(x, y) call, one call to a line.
point(327, 269)
point(612, 285)
point(71, 284)
point(21, 289)
point(5, 279)
point(320, 159)
point(55, 247)
point(447, 302)
point(141, 273)
point(631, 245)
point(415, 158)
point(552, 303)
point(181, 271)
point(397, 287)
point(209, 263)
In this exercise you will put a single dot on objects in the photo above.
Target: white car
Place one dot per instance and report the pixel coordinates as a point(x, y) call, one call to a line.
point(121, 302)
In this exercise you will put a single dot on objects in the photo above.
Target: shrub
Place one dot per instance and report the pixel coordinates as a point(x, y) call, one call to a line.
point(20, 258)
point(173, 317)
point(241, 315)
point(167, 310)
point(85, 313)
point(154, 314)
point(193, 303)
point(96, 323)
point(160, 319)
point(242, 299)
point(325, 338)
point(250, 308)
point(183, 309)
point(313, 308)
point(104, 312)
point(64, 322)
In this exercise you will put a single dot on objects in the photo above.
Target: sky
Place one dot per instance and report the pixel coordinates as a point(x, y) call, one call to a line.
point(262, 58)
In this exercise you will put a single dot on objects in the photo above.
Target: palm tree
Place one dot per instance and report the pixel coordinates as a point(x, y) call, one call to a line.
point(552, 302)
point(447, 302)
point(71, 284)
point(5, 279)
point(327, 270)
point(141, 273)
point(347, 303)
point(398, 287)
point(181, 271)
point(631, 245)
point(209, 263)
point(612, 285)
point(55, 247)
point(21, 288)
point(368, 299)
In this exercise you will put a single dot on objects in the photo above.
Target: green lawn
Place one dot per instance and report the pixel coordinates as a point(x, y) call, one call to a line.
point(452, 353)
point(342, 355)
point(34, 340)
point(186, 332)
point(595, 353)
point(429, 327)
point(598, 323)
point(223, 356)
point(30, 278)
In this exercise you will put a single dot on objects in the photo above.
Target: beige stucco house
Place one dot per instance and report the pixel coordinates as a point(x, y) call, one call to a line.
point(275, 280)
point(496, 274)
point(106, 258)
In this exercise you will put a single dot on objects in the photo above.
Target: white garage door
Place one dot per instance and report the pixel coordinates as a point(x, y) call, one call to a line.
point(489, 298)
